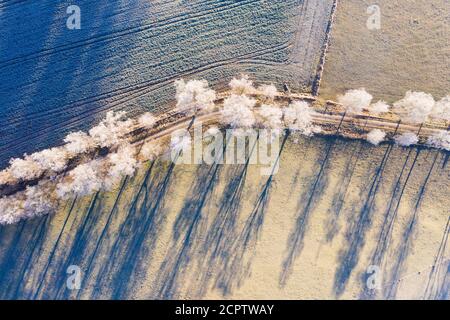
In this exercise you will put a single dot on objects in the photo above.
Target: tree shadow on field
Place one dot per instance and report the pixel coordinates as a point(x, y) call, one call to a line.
point(306, 204)
point(438, 281)
point(132, 249)
point(332, 226)
point(21, 253)
point(406, 243)
point(186, 229)
point(355, 235)
point(390, 215)
point(236, 259)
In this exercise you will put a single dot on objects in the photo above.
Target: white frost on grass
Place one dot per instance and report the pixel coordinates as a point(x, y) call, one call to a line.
point(440, 140)
point(238, 111)
point(406, 139)
point(355, 100)
point(376, 136)
point(415, 107)
point(298, 118)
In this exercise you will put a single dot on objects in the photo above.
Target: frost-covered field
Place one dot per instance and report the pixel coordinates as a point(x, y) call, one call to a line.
point(128, 53)
point(336, 208)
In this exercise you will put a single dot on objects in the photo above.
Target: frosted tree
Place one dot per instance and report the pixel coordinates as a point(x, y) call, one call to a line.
point(242, 85)
point(376, 136)
point(238, 111)
point(355, 100)
point(379, 107)
point(78, 142)
point(441, 109)
point(268, 90)
point(194, 95)
point(406, 139)
point(110, 130)
point(440, 140)
point(298, 117)
point(415, 107)
point(147, 120)
point(270, 116)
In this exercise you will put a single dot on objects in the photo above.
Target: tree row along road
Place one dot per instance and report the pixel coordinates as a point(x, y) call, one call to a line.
point(329, 115)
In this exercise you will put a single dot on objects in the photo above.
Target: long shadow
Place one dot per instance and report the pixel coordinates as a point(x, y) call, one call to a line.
point(144, 239)
point(136, 237)
point(132, 249)
point(334, 212)
point(82, 250)
point(80, 240)
point(356, 233)
point(432, 289)
point(35, 292)
point(236, 260)
point(22, 253)
point(18, 290)
point(337, 204)
point(186, 227)
point(443, 292)
point(390, 215)
point(120, 241)
point(310, 198)
point(295, 179)
point(405, 244)
point(222, 231)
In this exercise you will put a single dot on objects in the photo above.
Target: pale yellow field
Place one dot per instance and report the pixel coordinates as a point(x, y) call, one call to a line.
point(310, 232)
point(411, 51)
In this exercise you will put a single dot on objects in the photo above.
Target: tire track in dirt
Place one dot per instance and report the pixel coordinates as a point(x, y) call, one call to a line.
point(124, 32)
